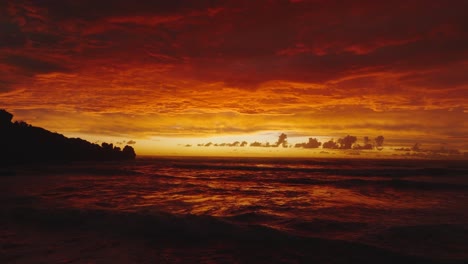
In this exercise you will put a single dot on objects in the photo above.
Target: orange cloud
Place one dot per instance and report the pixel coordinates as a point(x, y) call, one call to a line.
point(198, 68)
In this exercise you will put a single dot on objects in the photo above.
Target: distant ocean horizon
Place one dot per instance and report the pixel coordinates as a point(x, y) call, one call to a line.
point(236, 210)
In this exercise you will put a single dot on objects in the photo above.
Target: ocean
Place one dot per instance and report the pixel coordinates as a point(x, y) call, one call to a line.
point(235, 210)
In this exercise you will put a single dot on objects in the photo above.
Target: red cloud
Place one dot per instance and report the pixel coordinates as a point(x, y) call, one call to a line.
point(249, 57)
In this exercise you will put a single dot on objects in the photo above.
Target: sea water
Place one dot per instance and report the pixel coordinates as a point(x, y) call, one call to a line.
point(412, 208)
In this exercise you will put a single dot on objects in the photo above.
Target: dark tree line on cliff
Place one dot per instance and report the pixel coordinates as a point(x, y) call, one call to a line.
point(23, 143)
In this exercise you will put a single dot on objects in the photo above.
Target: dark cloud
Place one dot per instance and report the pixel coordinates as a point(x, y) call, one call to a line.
point(312, 143)
point(33, 65)
point(207, 144)
point(330, 145)
point(131, 142)
point(258, 40)
point(402, 149)
point(233, 144)
point(347, 142)
point(5, 85)
point(416, 148)
point(95, 10)
point(246, 43)
point(44, 39)
point(11, 35)
point(451, 76)
point(346, 43)
point(379, 142)
point(436, 154)
point(256, 144)
point(366, 140)
point(366, 146)
point(417, 151)
point(282, 140)
point(447, 151)
point(363, 147)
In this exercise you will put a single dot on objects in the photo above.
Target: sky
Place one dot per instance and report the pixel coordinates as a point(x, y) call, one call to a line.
point(170, 77)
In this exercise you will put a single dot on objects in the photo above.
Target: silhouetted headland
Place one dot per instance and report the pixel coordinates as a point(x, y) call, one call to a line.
point(23, 143)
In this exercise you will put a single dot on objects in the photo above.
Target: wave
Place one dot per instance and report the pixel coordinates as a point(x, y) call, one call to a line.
point(324, 226)
point(387, 183)
point(401, 184)
point(342, 182)
point(351, 171)
point(254, 217)
point(437, 241)
point(109, 168)
point(248, 243)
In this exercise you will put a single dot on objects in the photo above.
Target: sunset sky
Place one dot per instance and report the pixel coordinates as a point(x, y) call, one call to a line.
point(174, 76)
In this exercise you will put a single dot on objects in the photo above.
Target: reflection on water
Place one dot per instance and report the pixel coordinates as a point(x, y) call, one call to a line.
point(350, 200)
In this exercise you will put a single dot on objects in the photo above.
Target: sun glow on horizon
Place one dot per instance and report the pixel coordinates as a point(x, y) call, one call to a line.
point(265, 144)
